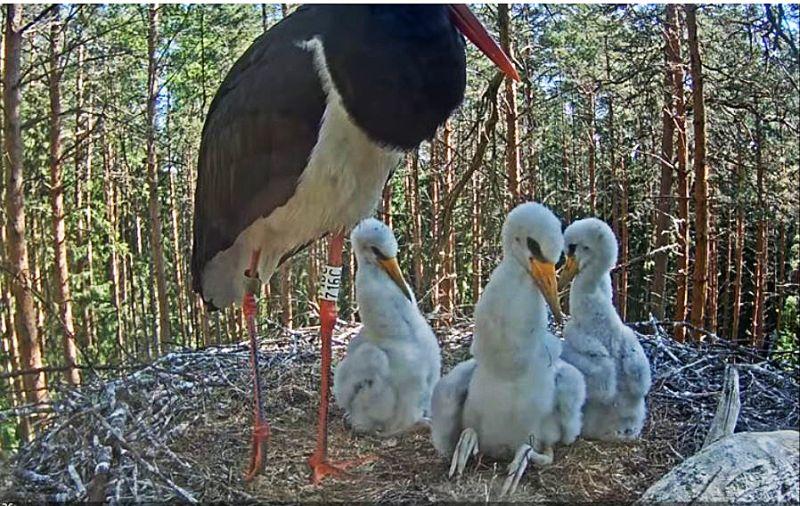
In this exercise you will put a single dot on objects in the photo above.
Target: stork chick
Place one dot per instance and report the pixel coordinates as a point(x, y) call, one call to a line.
point(386, 379)
point(597, 342)
point(515, 397)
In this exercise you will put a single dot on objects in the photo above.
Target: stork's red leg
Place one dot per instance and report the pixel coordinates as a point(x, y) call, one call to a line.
point(260, 425)
point(319, 463)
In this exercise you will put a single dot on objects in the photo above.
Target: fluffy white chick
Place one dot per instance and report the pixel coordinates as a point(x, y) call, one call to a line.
point(515, 397)
point(386, 379)
point(597, 342)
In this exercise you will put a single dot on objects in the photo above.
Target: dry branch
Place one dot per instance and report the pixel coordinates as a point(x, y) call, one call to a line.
point(727, 410)
point(176, 430)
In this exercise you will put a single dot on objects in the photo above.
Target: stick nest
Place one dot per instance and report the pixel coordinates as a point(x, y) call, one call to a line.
point(179, 429)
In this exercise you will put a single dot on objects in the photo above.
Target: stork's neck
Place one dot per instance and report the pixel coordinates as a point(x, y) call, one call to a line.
point(527, 305)
point(591, 290)
point(511, 322)
point(381, 304)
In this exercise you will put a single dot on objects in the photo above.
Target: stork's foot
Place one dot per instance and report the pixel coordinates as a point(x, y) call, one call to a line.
point(467, 447)
point(261, 433)
point(525, 455)
point(322, 468)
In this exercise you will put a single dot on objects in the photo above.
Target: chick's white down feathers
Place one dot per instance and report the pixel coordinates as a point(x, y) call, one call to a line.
point(515, 389)
point(597, 342)
point(385, 381)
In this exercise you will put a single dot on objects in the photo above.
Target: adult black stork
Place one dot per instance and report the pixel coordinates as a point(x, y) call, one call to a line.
point(299, 141)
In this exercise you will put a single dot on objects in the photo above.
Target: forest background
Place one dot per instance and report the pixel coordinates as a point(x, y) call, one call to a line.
point(677, 125)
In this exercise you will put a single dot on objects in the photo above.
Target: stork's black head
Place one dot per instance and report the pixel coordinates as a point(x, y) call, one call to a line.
point(401, 69)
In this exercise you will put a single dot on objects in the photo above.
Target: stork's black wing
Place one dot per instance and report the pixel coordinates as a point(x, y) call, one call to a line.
point(260, 130)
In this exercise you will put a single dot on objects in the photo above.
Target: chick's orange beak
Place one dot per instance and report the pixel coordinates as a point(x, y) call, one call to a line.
point(544, 275)
point(568, 272)
point(392, 268)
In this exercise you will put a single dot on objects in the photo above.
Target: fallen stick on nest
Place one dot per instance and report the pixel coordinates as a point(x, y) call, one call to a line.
point(184, 402)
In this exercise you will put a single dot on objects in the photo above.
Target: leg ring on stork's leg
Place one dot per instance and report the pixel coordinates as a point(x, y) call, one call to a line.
point(321, 467)
point(260, 426)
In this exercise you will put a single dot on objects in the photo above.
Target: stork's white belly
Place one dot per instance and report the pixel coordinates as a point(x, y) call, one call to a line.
point(341, 184)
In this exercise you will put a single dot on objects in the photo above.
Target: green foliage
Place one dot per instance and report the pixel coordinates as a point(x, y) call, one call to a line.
point(567, 54)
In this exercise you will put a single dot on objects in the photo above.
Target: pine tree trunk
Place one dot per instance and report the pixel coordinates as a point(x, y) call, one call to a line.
point(64, 298)
point(16, 392)
point(592, 153)
point(136, 302)
point(663, 206)
point(37, 237)
point(566, 171)
point(477, 237)
point(700, 271)
point(177, 256)
point(622, 274)
point(578, 176)
point(512, 137)
point(201, 325)
point(9, 337)
point(126, 300)
point(448, 274)
point(386, 204)
point(90, 318)
point(682, 198)
point(287, 310)
point(205, 325)
point(713, 278)
point(144, 291)
point(485, 127)
point(156, 235)
point(759, 294)
point(416, 221)
point(435, 268)
point(530, 180)
point(116, 276)
point(619, 204)
point(757, 331)
point(16, 245)
point(230, 325)
point(738, 262)
point(780, 275)
point(725, 286)
point(82, 194)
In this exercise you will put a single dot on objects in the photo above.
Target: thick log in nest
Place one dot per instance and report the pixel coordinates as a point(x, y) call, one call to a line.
point(179, 430)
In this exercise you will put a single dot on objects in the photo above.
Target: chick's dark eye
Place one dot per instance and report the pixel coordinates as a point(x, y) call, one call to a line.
point(534, 248)
point(378, 253)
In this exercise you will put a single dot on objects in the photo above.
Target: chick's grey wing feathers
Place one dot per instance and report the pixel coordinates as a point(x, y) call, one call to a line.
point(593, 360)
point(364, 369)
point(447, 407)
point(570, 397)
point(636, 376)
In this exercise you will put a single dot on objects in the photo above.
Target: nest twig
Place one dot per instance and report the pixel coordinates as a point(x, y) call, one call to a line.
point(178, 430)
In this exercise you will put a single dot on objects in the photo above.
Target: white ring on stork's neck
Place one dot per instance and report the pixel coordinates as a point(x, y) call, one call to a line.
point(330, 281)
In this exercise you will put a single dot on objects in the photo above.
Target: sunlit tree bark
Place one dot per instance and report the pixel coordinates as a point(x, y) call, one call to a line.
point(63, 292)
point(16, 241)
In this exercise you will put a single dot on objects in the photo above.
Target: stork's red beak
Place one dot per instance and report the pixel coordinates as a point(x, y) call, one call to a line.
point(472, 29)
